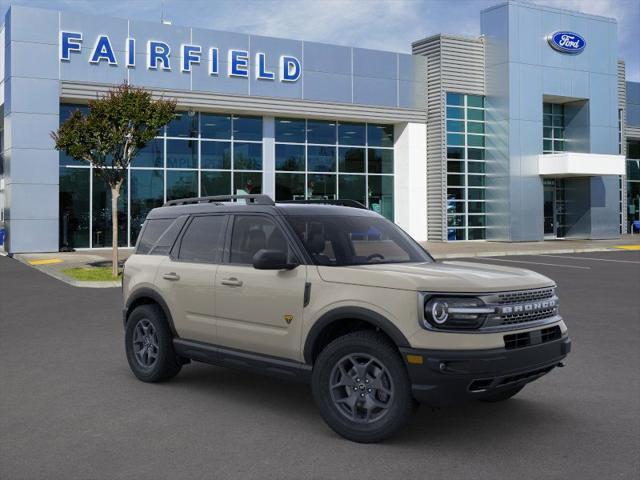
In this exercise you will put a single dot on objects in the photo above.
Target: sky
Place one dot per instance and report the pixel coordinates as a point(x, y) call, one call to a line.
point(378, 24)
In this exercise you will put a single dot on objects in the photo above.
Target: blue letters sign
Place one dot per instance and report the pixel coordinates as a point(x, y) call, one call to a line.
point(160, 56)
point(567, 42)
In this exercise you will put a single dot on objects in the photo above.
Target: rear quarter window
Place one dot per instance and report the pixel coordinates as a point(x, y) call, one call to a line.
point(158, 235)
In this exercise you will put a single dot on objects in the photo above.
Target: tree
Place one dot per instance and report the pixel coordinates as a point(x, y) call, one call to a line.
point(117, 126)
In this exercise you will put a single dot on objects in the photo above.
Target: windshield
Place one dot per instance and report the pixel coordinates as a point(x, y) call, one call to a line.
point(364, 240)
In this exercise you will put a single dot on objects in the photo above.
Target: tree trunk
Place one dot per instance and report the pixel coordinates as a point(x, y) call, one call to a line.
point(115, 194)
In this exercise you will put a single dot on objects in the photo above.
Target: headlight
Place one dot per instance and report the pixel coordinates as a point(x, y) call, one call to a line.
point(455, 313)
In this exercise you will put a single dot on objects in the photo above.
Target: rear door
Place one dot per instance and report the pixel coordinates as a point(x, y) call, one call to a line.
point(187, 277)
point(259, 310)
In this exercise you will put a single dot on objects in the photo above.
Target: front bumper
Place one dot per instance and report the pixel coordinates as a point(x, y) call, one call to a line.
point(446, 377)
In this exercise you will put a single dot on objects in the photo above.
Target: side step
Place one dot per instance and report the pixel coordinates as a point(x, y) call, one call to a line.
point(252, 362)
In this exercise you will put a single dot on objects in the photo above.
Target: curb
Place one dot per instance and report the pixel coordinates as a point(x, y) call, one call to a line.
point(524, 252)
point(70, 281)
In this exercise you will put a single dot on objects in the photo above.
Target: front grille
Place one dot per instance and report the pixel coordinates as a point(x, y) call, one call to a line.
point(516, 318)
point(508, 298)
point(521, 307)
point(535, 337)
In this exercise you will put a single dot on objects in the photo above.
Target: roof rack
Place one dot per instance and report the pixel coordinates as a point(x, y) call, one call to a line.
point(342, 203)
point(219, 199)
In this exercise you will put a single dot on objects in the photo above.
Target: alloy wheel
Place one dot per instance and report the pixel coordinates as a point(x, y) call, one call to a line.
point(361, 388)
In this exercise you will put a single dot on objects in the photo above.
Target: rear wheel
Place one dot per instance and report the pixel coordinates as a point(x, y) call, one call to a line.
point(501, 395)
point(362, 388)
point(149, 345)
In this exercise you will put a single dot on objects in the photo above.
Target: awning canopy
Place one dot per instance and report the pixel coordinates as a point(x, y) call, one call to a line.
point(573, 164)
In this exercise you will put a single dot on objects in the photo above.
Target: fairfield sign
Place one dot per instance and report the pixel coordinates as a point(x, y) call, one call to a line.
point(159, 56)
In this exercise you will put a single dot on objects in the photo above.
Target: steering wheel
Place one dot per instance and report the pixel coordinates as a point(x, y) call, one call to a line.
point(375, 255)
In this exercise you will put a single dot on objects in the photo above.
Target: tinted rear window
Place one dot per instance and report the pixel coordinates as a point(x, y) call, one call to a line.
point(151, 233)
point(168, 238)
point(204, 239)
point(159, 235)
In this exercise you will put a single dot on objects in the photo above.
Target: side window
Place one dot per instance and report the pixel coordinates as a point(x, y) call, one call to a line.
point(317, 238)
point(204, 239)
point(168, 238)
point(252, 233)
point(151, 232)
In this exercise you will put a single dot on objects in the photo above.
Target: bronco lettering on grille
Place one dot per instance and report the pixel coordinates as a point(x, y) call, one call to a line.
point(526, 307)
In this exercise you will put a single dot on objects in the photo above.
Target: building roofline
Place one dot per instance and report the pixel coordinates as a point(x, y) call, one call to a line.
point(193, 27)
point(466, 38)
point(521, 3)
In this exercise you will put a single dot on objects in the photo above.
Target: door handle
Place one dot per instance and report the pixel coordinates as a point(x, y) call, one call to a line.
point(231, 282)
point(173, 276)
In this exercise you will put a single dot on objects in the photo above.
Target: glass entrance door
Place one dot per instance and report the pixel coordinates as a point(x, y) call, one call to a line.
point(549, 208)
point(555, 208)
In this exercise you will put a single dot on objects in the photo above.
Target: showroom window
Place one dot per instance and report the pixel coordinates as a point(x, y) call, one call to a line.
point(465, 130)
point(197, 154)
point(552, 128)
point(324, 159)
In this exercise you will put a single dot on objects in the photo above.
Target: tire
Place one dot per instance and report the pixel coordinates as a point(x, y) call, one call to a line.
point(147, 331)
point(501, 395)
point(368, 409)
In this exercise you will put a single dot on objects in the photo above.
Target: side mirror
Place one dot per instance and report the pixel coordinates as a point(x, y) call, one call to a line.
point(272, 260)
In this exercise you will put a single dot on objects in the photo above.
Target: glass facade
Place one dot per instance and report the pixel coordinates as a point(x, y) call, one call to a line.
point(633, 184)
point(320, 159)
point(552, 128)
point(204, 154)
point(465, 130)
point(197, 154)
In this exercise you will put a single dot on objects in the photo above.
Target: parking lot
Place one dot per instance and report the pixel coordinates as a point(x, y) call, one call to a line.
point(70, 408)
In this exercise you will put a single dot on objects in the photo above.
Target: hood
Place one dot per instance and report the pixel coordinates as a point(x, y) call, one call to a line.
point(456, 277)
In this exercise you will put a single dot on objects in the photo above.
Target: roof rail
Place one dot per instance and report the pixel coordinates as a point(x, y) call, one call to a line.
point(342, 203)
point(219, 199)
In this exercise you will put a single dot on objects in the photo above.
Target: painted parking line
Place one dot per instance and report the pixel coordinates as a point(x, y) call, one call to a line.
point(46, 261)
point(591, 258)
point(627, 247)
point(535, 263)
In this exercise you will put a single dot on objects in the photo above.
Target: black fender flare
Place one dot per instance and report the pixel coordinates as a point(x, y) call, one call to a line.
point(351, 313)
point(145, 292)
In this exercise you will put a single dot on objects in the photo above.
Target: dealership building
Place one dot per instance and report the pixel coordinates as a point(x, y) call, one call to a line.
point(527, 132)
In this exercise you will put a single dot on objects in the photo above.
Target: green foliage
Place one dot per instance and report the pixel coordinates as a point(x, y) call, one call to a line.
point(91, 274)
point(117, 126)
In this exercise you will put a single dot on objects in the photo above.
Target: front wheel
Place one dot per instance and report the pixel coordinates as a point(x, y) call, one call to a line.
point(149, 345)
point(362, 388)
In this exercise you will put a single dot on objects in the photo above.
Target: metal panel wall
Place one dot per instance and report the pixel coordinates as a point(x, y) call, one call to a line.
point(622, 112)
point(455, 64)
point(521, 69)
point(329, 73)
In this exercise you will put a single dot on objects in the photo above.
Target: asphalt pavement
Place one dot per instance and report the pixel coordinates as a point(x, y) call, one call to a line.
point(70, 408)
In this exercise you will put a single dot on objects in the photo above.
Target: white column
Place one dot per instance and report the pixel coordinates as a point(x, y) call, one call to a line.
point(410, 181)
point(268, 157)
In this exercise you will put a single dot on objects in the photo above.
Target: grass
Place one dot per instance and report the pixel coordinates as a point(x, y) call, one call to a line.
point(91, 274)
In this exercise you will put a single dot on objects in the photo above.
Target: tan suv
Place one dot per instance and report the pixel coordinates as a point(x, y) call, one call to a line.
point(337, 296)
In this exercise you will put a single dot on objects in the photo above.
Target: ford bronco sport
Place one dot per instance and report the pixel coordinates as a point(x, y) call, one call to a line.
point(337, 296)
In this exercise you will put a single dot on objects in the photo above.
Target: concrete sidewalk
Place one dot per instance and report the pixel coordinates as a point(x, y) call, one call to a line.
point(441, 250)
point(53, 264)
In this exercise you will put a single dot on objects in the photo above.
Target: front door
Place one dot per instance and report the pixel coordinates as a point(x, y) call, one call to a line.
point(554, 208)
point(259, 310)
point(187, 278)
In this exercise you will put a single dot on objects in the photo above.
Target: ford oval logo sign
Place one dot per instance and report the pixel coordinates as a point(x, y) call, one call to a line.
point(567, 42)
